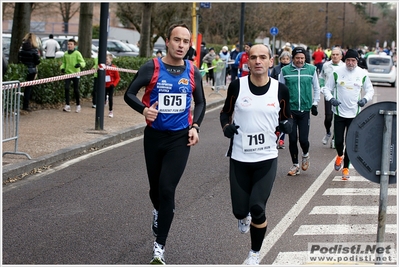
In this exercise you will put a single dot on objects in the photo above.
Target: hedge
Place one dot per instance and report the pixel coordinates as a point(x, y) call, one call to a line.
point(52, 93)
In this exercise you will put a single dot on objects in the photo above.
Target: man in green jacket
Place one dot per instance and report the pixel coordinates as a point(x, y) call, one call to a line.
point(303, 84)
point(72, 61)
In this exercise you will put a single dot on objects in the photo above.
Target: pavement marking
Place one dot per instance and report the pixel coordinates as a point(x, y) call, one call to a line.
point(344, 229)
point(291, 258)
point(351, 210)
point(352, 179)
point(357, 191)
point(67, 164)
point(275, 234)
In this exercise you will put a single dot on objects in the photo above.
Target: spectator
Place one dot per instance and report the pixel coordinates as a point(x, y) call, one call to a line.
point(191, 54)
point(51, 47)
point(208, 58)
point(72, 61)
point(203, 52)
point(302, 81)
point(172, 128)
point(234, 67)
point(225, 56)
point(326, 72)
point(159, 54)
point(112, 79)
point(29, 56)
point(344, 92)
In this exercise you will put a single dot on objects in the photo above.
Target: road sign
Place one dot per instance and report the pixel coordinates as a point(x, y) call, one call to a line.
point(329, 35)
point(365, 141)
point(273, 31)
point(205, 5)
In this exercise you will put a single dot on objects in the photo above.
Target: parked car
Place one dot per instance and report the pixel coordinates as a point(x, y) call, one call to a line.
point(6, 41)
point(117, 48)
point(381, 69)
point(63, 41)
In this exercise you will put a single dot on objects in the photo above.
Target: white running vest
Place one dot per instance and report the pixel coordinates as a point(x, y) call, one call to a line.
point(257, 116)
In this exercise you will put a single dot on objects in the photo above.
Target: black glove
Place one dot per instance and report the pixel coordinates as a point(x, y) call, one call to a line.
point(334, 102)
point(230, 130)
point(285, 126)
point(62, 70)
point(77, 65)
point(362, 102)
point(314, 110)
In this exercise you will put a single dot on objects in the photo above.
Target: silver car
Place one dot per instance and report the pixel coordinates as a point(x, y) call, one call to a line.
point(381, 69)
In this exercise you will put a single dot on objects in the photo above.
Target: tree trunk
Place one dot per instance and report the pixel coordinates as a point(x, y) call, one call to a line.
point(85, 29)
point(145, 34)
point(20, 27)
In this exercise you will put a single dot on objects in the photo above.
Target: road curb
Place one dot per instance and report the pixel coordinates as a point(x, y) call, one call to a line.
point(31, 166)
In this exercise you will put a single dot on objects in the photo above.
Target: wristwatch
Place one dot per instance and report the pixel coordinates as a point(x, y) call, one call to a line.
point(195, 127)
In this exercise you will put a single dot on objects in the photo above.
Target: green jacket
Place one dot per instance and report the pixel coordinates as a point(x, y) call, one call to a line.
point(69, 60)
point(303, 86)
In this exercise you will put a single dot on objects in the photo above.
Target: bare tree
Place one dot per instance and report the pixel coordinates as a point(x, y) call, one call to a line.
point(85, 28)
point(20, 27)
point(67, 11)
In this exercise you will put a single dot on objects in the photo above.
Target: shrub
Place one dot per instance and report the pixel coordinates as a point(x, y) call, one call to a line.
point(52, 93)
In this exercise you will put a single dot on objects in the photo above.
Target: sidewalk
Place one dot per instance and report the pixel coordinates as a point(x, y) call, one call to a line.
point(50, 136)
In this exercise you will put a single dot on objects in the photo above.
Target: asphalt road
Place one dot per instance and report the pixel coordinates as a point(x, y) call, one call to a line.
point(96, 209)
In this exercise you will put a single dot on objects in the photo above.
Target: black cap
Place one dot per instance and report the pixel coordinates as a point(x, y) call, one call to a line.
point(298, 50)
point(351, 53)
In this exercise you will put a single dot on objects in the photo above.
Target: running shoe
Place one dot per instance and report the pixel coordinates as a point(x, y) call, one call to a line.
point(305, 162)
point(154, 225)
point(106, 101)
point(244, 224)
point(158, 256)
point(253, 258)
point(294, 170)
point(67, 108)
point(325, 139)
point(338, 163)
point(93, 106)
point(111, 114)
point(78, 108)
point(332, 143)
point(345, 174)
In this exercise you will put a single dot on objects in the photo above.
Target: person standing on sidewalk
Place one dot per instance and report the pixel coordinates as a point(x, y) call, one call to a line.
point(302, 81)
point(325, 74)
point(29, 56)
point(171, 85)
point(72, 61)
point(112, 79)
point(51, 47)
point(255, 105)
point(344, 91)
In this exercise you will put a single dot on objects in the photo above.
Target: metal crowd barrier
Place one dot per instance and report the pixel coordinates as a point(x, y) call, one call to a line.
point(11, 92)
point(219, 74)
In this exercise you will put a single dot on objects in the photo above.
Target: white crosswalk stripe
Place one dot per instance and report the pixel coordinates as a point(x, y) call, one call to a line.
point(343, 229)
point(358, 191)
point(351, 210)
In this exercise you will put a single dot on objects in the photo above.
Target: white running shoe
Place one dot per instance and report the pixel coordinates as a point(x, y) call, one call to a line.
point(325, 139)
point(78, 108)
point(158, 256)
point(111, 114)
point(244, 224)
point(253, 258)
point(67, 108)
